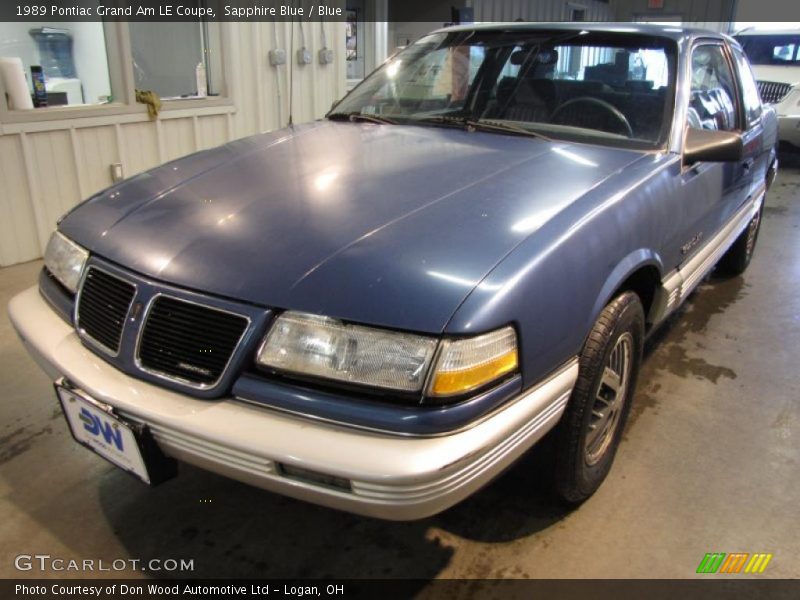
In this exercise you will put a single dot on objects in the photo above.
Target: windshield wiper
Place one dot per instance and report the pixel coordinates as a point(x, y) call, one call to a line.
point(484, 125)
point(460, 122)
point(481, 125)
point(443, 119)
point(357, 116)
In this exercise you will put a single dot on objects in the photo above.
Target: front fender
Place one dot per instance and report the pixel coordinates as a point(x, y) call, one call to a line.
point(633, 262)
point(553, 285)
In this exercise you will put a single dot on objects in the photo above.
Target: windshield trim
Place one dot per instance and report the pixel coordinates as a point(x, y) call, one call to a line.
point(593, 37)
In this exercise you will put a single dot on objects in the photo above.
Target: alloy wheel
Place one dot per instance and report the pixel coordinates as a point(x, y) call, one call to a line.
point(609, 399)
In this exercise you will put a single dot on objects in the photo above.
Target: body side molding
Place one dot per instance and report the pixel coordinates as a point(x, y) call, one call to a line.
point(678, 284)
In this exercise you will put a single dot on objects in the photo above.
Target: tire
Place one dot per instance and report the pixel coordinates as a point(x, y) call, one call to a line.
point(591, 428)
point(738, 257)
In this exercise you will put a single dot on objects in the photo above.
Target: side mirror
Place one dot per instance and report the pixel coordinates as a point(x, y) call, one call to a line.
point(711, 146)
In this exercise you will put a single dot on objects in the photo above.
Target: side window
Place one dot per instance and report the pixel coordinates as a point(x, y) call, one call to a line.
point(783, 54)
point(713, 94)
point(750, 95)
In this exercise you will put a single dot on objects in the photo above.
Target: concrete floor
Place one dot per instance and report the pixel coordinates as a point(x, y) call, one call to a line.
point(710, 462)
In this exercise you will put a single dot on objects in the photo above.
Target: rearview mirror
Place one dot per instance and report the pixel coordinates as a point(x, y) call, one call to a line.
point(711, 146)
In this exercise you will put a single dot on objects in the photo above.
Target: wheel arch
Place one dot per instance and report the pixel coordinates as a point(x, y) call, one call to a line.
point(772, 168)
point(639, 272)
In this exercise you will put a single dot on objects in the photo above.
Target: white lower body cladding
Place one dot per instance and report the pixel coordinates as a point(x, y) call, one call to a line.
point(789, 129)
point(391, 476)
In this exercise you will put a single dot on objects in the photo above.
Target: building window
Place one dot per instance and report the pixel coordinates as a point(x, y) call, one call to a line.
point(95, 67)
point(176, 60)
point(70, 59)
point(354, 47)
point(577, 14)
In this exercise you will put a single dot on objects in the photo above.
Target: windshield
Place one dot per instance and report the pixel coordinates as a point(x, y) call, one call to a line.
point(771, 49)
point(611, 88)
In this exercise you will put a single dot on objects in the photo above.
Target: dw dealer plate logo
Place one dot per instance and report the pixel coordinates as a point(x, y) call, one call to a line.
point(736, 562)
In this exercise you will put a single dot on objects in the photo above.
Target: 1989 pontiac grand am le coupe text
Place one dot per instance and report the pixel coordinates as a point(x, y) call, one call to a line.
point(382, 310)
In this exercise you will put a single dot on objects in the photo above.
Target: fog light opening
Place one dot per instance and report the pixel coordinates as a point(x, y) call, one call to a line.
point(315, 478)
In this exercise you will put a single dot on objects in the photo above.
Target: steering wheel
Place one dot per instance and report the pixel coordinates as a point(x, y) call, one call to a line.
point(596, 102)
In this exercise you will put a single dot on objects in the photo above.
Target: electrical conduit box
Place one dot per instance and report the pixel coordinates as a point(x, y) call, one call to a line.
point(325, 56)
point(277, 57)
point(303, 56)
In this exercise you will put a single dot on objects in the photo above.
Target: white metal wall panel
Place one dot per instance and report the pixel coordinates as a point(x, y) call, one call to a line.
point(55, 178)
point(97, 150)
point(141, 147)
point(213, 131)
point(178, 138)
point(19, 241)
point(46, 167)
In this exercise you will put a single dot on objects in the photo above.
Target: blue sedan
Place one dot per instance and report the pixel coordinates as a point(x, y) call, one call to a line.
point(382, 310)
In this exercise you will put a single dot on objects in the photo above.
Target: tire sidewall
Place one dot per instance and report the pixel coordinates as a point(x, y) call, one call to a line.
point(749, 255)
point(631, 319)
point(577, 479)
point(737, 258)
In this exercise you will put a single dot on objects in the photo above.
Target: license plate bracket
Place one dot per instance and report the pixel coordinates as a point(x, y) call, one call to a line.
point(127, 445)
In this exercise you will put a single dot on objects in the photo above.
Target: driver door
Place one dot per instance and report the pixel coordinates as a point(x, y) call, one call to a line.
point(712, 191)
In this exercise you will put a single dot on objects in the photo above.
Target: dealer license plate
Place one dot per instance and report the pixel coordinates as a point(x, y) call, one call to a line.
point(95, 425)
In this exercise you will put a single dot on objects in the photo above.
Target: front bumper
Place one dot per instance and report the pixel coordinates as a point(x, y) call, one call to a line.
point(789, 129)
point(391, 476)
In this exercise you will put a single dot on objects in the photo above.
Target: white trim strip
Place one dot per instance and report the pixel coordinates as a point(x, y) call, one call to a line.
point(681, 282)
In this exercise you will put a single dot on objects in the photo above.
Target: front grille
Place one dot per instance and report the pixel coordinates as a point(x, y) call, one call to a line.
point(102, 307)
point(188, 342)
point(773, 92)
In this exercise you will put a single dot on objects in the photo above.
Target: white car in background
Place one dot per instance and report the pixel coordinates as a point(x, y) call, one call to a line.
point(775, 58)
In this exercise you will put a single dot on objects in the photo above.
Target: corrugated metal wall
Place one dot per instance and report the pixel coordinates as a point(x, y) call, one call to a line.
point(539, 10)
point(46, 167)
point(711, 14)
point(694, 13)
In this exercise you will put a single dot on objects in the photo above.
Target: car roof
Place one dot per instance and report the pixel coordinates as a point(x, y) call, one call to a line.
point(676, 32)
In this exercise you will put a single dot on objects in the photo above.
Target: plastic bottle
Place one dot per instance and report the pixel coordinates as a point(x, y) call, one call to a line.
point(200, 75)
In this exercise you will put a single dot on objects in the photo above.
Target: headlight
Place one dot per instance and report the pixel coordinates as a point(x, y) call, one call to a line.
point(795, 96)
point(65, 260)
point(327, 348)
point(468, 364)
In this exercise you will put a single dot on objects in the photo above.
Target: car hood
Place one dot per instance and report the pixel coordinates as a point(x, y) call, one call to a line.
point(780, 74)
point(381, 224)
